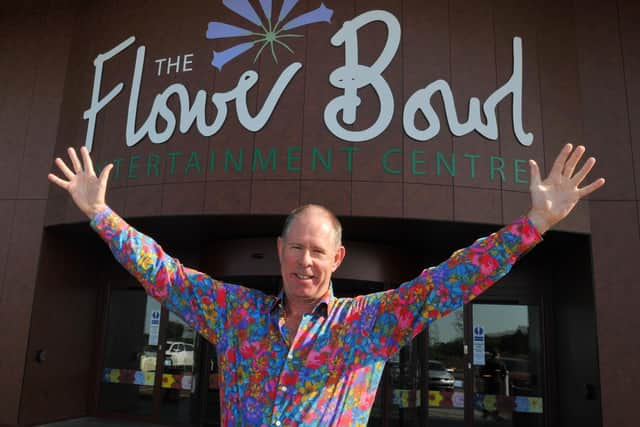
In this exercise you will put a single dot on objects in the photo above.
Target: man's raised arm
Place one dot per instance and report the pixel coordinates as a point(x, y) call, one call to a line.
point(394, 317)
point(192, 295)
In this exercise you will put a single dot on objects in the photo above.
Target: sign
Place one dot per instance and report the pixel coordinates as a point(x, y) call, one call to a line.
point(154, 327)
point(478, 345)
point(340, 114)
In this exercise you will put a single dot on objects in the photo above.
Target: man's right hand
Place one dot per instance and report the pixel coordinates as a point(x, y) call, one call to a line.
point(86, 189)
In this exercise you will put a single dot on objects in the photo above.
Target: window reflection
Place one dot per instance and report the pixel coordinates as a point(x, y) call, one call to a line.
point(508, 389)
point(446, 371)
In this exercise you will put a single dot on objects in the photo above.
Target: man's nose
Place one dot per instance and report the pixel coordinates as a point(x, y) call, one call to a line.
point(305, 257)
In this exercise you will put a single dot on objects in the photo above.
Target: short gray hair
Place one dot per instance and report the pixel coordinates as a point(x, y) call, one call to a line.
point(335, 222)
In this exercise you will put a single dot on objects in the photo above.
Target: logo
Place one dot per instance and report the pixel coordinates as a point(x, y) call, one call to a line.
point(270, 34)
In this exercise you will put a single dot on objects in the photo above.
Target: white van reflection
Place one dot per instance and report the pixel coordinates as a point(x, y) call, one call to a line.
point(178, 355)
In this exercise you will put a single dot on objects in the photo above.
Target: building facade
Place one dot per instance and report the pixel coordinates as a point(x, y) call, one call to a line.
point(412, 120)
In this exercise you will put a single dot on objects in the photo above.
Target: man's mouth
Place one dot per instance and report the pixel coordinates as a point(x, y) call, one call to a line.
point(303, 276)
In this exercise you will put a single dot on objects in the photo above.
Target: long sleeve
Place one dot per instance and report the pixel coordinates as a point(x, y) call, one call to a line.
point(392, 318)
point(195, 297)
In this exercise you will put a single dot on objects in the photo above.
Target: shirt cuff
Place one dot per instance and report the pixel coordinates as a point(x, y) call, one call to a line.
point(98, 221)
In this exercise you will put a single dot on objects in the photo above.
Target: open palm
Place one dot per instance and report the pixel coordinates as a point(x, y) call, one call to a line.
point(553, 198)
point(86, 189)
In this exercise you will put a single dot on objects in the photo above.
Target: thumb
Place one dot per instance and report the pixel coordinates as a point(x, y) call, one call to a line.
point(534, 172)
point(104, 175)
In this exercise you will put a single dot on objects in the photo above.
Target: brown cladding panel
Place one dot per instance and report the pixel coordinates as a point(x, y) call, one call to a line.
point(319, 144)
point(477, 205)
point(227, 197)
point(377, 199)
point(629, 15)
point(518, 19)
point(428, 201)
point(48, 91)
point(560, 92)
point(18, 288)
point(183, 198)
point(473, 74)
point(368, 166)
point(143, 200)
point(335, 195)
point(16, 108)
point(426, 58)
point(615, 270)
point(605, 116)
point(274, 197)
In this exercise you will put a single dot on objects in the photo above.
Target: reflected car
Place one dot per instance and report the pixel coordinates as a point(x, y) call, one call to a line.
point(439, 377)
point(178, 355)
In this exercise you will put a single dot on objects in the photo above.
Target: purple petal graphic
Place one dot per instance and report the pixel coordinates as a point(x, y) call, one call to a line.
point(220, 30)
point(244, 9)
point(287, 5)
point(266, 8)
point(320, 14)
point(221, 58)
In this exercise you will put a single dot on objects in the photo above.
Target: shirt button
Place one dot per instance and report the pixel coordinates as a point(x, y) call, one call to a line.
point(283, 388)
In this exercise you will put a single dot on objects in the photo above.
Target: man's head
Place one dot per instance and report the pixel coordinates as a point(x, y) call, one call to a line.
point(310, 250)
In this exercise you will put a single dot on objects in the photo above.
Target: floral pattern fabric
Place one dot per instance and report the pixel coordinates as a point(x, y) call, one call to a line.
point(329, 373)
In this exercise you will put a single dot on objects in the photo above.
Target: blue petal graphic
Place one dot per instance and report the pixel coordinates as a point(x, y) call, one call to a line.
point(221, 58)
point(266, 8)
point(320, 14)
point(220, 30)
point(244, 9)
point(287, 5)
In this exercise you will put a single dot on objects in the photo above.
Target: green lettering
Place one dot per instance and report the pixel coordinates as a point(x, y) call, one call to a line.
point(349, 150)
point(450, 167)
point(473, 158)
point(116, 167)
point(212, 160)
point(415, 162)
point(174, 155)
point(518, 171)
point(291, 157)
point(316, 154)
point(193, 163)
point(257, 158)
point(133, 165)
point(500, 168)
point(228, 157)
point(153, 161)
point(385, 161)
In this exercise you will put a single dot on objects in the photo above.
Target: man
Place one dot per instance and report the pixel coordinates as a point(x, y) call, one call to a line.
point(304, 357)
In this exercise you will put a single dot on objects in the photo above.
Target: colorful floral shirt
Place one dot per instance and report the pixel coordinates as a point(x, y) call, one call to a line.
point(329, 374)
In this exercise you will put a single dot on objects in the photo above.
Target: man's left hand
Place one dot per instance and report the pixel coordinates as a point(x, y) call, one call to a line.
point(553, 198)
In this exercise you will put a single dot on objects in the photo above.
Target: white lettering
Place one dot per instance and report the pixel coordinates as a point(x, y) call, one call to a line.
point(421, 101)
point(160, 61)
point(353, 76)
point(96, 103)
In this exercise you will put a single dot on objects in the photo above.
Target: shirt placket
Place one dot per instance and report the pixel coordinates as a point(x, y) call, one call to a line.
point(285, 393)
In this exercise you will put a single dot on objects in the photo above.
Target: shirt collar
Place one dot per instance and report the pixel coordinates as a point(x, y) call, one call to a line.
point(322, 307)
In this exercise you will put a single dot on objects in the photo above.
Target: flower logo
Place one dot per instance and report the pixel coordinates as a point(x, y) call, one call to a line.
point(271, 33)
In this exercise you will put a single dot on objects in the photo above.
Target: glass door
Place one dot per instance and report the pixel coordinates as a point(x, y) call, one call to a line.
point(446, 367)
point(179, 403)
point(151, 362)
point(130, 355)
point(507, 365)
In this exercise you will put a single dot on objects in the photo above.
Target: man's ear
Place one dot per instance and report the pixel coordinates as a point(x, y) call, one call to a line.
point(339, 257)
point(280, 245)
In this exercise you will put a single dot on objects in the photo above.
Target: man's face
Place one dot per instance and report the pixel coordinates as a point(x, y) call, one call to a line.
point(309, 254)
